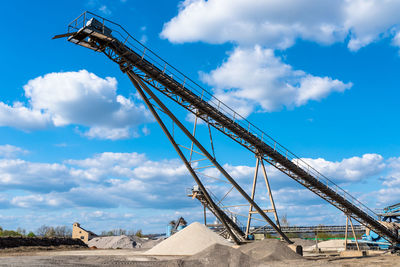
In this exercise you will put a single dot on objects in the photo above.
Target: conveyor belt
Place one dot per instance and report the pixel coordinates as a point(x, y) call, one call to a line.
point(131, 55)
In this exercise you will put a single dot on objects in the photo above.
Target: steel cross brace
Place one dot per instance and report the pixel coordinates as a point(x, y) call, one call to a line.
point(140, 85)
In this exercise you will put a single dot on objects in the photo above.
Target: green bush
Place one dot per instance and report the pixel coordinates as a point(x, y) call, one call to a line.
point(6, 233)
point(31, 234)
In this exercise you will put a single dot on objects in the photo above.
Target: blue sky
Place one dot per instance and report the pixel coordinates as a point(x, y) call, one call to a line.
point(78, 144)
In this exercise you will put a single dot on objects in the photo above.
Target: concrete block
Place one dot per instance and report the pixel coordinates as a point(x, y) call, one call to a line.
point(353, 253)
point(296, 248)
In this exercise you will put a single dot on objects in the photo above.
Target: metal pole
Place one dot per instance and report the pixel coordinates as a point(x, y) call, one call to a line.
point(205, 218)
point(132, 77)
point(354, 234)
point(253, 191)
point(213, 161)
point(345, 233)
point(271, 199)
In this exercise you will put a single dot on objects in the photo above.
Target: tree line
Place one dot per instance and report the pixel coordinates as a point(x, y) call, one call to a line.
point(62, 231)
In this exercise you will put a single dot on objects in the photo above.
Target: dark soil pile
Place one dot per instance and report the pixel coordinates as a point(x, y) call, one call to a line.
point(12, 242)
point(269, 250)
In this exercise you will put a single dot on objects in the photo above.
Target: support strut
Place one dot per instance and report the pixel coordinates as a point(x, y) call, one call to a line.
point(138, 81)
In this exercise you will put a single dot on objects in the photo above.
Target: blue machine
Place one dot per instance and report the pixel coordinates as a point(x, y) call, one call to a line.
point(175, 226)
point(390, 214)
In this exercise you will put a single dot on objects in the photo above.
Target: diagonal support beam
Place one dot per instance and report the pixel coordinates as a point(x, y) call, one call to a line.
point(135, 82)
point(271, 198)
point(134, 77)
point(253, 192)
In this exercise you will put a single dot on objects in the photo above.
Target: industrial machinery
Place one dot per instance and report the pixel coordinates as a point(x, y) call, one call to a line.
point(388, 216)
point(160, 85)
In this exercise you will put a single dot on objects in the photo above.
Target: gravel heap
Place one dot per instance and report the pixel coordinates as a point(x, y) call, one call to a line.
point(189, 241)
point(269, 250)
point(121, 241)
point(221, 255)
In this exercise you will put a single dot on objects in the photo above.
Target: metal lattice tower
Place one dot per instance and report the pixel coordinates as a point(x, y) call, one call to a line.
point(150, 74)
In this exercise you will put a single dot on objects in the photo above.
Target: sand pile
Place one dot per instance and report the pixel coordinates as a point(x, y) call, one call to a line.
point(270, 250)
point(121, 241)
point(221, 255)
point(189, 241)
point(330, 245)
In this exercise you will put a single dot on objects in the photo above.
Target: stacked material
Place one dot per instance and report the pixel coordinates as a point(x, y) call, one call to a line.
point(330, 245)
point(121, 241)
point(270, 250)
point(189, 241)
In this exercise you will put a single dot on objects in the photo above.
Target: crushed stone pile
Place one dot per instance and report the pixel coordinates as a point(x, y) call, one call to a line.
point(269, 250)
point(121, 241)
point(221, 255)
point(303, 242)
point(189, 241)
point(151, 243)
point(329, 245)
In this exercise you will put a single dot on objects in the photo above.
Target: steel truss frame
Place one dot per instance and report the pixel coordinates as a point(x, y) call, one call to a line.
point(231, 227)
point(137, 59)
point(259, 161)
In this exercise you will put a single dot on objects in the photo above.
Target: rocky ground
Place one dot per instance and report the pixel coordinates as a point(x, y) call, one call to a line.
point(134, 257)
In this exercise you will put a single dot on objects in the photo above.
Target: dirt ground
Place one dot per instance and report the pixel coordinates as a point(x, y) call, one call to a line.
point(62, 256)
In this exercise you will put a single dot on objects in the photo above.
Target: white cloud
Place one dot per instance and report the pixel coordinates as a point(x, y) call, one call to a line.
point(349, 169)
point(277, 24)
point(255, 77)
point(119, 180)
point(21, 117)
point(368, 20)
point(105, 10)
point(393, 176)
point(9, 151)
point(37, 177)
point(81, 98)
point(30, 201)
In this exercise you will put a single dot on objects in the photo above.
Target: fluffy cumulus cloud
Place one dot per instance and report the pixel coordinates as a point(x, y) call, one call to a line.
point(277, 24)
point(350, 169)
point(393, 177)
point(255, 77)
point(79, 98)
point(113, 179)
point(119, 180)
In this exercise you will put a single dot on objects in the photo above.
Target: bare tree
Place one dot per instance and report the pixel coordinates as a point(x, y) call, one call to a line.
point(21, 231)
point(50, 232)
point(62, 231)
point(42, 230)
